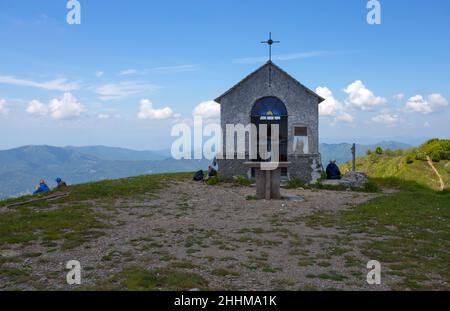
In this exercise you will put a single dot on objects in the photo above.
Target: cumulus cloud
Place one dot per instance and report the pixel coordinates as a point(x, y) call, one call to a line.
point(3, 109)
point(37, 108)
point(331, 107)
point(60, 109)
point(386, 119)
point(207, 110)
point(433, 103)
point(115, 91)
point(56, 85)
point(146, 111)
point(360, 97)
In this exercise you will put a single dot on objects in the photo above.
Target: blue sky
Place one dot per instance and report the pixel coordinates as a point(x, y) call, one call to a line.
point(134, 68)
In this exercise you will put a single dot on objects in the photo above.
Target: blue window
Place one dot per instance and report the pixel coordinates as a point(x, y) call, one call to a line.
point(269, 108)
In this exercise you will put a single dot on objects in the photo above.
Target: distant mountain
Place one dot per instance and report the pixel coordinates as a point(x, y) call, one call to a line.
point(22, 168)
point(342, 152)
point(120, 154)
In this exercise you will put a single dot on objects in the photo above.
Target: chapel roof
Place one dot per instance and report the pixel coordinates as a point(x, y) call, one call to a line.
point(269, 63)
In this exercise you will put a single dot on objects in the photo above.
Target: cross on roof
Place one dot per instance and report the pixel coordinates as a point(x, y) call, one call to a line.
point(270, 42)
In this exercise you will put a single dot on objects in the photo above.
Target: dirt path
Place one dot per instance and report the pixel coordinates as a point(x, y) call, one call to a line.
point(441, 181)
point(215, 232)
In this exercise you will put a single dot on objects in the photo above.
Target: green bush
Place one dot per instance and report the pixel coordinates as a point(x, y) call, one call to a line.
point(410, 158)
point(212, 181)
point(371, 186)
point(420, 156)
point(435, 156)
point(295, 183)
point(379, 150)
point(242, 181)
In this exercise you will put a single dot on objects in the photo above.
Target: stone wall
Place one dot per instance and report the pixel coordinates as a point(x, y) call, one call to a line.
point(302, 107)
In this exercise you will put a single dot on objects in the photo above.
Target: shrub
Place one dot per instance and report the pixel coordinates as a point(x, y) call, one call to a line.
point(369, 152)
point(212, 181)
point(410, 158)
point(371, 186)
point(379, 150)
point(295, 183)
point(420, 156)
point(242, 181)
point(435, 156)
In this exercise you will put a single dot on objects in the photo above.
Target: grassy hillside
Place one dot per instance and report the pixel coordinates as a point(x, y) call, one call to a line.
point(408, 164)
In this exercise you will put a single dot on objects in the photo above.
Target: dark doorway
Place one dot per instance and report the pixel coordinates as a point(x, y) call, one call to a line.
point(270, 111)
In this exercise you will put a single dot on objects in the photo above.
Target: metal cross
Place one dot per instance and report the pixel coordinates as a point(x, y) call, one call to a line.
point(270, 42)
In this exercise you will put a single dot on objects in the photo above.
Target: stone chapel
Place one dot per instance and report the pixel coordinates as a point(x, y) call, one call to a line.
point(269, 96)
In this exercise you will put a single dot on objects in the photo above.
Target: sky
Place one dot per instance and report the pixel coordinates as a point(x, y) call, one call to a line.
point(133, 69)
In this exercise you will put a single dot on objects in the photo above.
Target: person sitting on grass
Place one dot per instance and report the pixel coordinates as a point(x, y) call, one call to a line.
point(211, 172)
point(333, 171)
point(42, 187)
point(60, 183)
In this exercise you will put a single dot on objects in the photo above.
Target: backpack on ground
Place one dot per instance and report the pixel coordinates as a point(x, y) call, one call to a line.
point(198, 176)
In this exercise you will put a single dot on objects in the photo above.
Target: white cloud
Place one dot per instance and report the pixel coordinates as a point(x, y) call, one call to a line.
point(104, 116)
point(3, 109)
point(207, 110)
point(57, 85)
point(123, 89)
point(99, 74)
point(399, 96)
point(386, 119)
point(361, 97)
point(128, 72)
point(146, 111)
point(37, 108)
point(331, 107)
point(61, 109)
point(175, 69)
point(433, 103)
point(280, 57)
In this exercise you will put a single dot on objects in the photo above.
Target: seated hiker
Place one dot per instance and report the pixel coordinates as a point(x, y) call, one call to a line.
point(333, 171)
point(42, 187)
point(212, 171)
point(60, 183)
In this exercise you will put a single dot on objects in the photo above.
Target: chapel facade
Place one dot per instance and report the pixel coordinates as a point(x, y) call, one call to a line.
point(271, 96)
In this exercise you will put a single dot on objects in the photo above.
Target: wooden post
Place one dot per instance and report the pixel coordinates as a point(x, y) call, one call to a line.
point(354, 158)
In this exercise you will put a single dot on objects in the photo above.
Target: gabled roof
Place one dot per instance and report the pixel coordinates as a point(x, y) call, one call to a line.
point(269, 63)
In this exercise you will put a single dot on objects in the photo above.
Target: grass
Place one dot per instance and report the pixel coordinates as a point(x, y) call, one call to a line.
point(224, 272)
point(414, 225)
point(385, 166)
point(166, 279)
point(74, 224)
point(73, 220)
point(295, 184)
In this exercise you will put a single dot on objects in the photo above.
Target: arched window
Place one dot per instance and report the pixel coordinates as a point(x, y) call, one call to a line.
point(269, 108)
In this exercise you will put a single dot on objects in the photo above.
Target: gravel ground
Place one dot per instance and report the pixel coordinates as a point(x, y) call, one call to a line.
point(218, 232)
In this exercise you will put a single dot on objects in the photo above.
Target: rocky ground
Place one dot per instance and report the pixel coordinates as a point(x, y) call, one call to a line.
point(216, 233)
